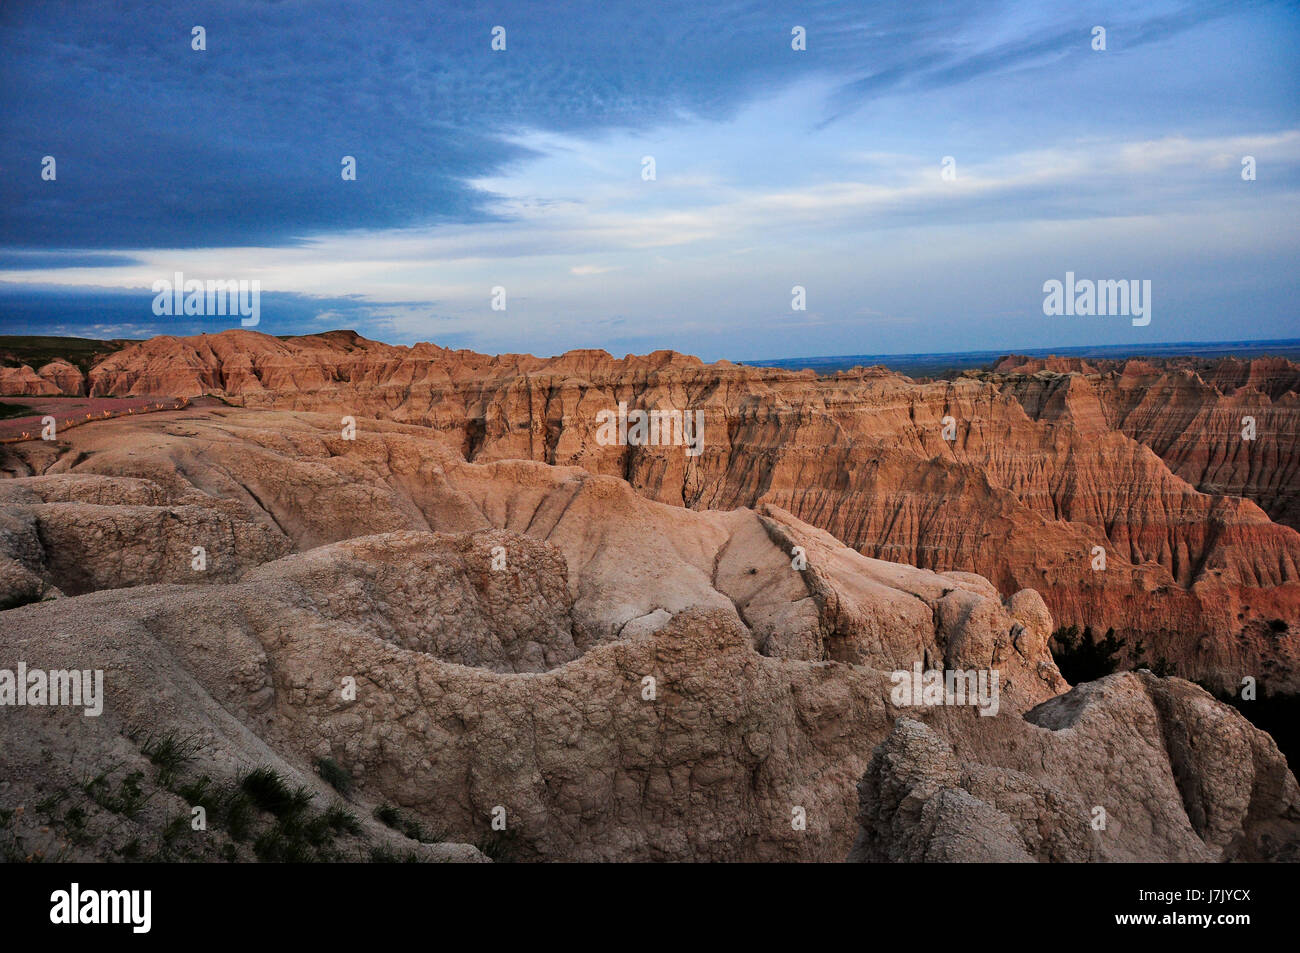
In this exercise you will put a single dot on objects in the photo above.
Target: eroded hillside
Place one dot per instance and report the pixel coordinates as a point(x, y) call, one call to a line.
point(623, 678)
point(1031, 476)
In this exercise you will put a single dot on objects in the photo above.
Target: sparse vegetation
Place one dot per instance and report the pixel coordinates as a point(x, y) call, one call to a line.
point(1161, 666)
point(74, 820)
point(200, 793)
point(390, 816)
point(237, 813)
point(177, 826)
point(1081, 658)
point(258, 812)
point(8, 410)
point(382, 854)
point(335, 775)
point(498, 846)
point(170, 754)
point(342, 820)
point(38, 350)
point(48, 806)
point(269, 791)
point(127, 799)
point(273, 846)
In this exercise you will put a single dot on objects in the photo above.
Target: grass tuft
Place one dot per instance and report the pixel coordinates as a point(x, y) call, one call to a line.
point(390, 816)
point(335, 775)
point(269, 791)
point(170, 754)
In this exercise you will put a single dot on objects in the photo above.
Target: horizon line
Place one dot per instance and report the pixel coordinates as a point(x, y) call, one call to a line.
point(1004, 351)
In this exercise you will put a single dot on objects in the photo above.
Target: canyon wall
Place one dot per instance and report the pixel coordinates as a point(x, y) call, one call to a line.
point(1042, 472)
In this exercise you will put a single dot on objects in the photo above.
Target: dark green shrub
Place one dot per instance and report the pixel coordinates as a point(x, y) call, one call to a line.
point(335, 775)
point(1081, 658)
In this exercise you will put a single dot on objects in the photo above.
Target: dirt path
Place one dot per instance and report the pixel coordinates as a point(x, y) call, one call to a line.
point(70, 412)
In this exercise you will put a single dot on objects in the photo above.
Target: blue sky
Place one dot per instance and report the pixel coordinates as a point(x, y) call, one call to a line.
point(774, 168)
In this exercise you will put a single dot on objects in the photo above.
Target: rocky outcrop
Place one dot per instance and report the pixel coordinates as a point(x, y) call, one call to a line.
point(1089, 788)
point(67, 378)
point(55, 378)
point(616, 677)
point(69, 535)
point(1025, 476)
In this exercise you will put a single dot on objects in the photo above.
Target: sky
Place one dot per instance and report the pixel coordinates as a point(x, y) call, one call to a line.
point(524, 169)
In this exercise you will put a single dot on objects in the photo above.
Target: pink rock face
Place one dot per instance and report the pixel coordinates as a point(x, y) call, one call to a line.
point(68, 379)
point(1194, 414)
point(54, 379)
point(24, 382)
point(1049, 463)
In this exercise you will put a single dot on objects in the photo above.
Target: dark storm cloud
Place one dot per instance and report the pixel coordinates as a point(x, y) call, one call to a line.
point(128, 313)
point(159, 146)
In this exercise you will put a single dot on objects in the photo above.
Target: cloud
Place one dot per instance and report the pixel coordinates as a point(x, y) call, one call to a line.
point(161, 146)
point(19, 260)
point(523, 169)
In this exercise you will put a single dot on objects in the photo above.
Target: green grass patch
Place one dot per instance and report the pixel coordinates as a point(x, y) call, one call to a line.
point(341, 820)
point(126, 799)
point(269, 791)
point(335, 775)
point(170, 754)
point(390, 816)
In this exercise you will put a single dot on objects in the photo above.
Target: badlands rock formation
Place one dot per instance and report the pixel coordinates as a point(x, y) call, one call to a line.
point(1046, 468)
point(920, 800)
point(56, 377)
point(620, 677)
point(1191, 412)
